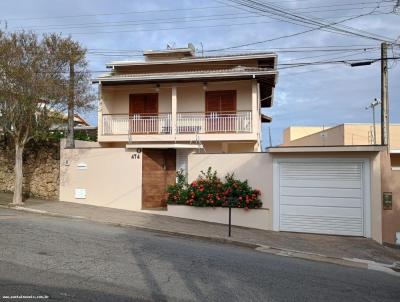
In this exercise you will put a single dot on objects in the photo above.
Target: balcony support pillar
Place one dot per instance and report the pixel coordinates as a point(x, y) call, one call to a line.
point(100, 118)
point(254, 106)
point(174, 106)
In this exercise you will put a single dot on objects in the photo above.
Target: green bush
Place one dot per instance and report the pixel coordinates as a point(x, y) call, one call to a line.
point(209, 191)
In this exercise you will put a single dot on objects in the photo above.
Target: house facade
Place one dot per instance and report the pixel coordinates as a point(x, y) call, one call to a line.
point(175, 99)
point(174, 103)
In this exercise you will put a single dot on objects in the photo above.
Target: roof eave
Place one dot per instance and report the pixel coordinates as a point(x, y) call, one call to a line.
point(185, 77)
point(192, 60)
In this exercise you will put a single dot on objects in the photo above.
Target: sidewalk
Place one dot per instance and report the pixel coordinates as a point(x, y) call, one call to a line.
point(282, 243)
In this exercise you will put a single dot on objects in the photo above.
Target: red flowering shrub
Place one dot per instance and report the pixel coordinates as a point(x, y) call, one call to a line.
point(209, 191)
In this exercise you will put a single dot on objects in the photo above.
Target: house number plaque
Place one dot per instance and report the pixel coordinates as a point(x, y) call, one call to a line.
point(137, 154)
point(387, 200)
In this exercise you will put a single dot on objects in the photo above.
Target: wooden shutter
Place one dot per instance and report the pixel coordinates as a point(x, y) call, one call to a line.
point(228, 102)
point(221, 101)
point(146, 104)
point(151, 104)
point(213, 103)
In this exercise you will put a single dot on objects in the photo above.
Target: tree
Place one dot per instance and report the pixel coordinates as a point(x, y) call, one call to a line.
point(38, 83)
point(78, 94)
point(30, 86)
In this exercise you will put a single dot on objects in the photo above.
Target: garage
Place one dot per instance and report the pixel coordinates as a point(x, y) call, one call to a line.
point(325, 196)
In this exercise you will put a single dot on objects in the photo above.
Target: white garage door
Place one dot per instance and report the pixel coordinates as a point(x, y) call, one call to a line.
point(324, 197)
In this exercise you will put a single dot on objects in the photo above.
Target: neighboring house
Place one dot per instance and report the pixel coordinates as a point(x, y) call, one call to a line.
point(340, 135)
point(343, 135)
point(82, 129)
point(174, 102)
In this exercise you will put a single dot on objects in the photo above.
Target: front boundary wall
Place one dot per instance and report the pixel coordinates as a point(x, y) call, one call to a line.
point(108, 177)
point(112, 177)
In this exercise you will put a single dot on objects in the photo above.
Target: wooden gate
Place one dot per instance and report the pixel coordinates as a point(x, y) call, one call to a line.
point(159, 171)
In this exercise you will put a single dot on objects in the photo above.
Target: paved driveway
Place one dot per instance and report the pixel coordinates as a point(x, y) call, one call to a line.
point(76, 260)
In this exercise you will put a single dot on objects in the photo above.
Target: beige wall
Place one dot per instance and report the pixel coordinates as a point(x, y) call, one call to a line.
point(115, 99)
point(345, 134)
point(250, 219)
point(360, 134)
point(112, 178)
point(390, 183)
point(255, 167)
point(332, 137)
point(292, 133)
point(191, 96)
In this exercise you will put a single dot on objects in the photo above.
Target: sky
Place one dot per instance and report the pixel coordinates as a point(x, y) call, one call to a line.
point(316, 95)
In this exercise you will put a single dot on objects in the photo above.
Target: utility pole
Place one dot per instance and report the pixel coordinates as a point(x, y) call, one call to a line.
point(373, 104)
point(384, 97)
point(70, 144)
point(270, 138)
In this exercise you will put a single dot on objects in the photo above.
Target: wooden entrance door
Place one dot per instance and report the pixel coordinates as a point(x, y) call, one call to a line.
point(143, 113)
point(220, 110)
point(159, 171)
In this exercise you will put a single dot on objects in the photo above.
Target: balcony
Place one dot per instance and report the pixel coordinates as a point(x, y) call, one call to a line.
point(186, 123)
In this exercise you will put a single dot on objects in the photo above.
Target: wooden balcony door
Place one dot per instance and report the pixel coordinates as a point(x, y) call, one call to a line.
point(220, 108)
point(143, 113)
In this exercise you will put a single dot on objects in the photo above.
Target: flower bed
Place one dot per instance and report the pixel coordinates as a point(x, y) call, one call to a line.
point(209, 191)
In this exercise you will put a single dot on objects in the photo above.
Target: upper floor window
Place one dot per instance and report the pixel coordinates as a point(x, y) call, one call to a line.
point(221, 102)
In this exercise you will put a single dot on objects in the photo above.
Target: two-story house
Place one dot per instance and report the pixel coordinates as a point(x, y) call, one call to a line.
point(174, 102)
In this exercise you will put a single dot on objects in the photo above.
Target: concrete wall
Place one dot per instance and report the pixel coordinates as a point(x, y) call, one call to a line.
point(112, 178)
point(360, 134)
point(390, 183)
point(345, 134)
point(255, 167)
point(332, 136)
point(250, 219)
point(292, 133)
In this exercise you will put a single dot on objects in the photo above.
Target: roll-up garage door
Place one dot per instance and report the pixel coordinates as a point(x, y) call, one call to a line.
point(322, 197)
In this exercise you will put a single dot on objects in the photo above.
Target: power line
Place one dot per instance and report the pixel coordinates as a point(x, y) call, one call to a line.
point(295, 17)
point(291, 16)
point(119, 13)
point(164, 20)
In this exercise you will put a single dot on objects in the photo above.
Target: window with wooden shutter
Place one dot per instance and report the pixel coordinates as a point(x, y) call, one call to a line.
point(221, 101)
point(143, 113)
point(220, 111)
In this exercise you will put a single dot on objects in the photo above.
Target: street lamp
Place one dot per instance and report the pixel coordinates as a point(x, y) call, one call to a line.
point(373, 104)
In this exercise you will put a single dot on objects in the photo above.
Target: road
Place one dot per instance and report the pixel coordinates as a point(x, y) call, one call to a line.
point(76, 260)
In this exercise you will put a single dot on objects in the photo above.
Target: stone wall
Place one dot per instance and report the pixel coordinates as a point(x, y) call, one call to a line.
point(41, 169)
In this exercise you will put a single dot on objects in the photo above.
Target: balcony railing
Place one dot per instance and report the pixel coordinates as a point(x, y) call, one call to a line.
point(186, 123)
point(214, 122)
point(137, 124)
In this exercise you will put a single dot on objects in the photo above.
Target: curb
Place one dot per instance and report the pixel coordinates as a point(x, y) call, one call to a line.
point(391, 269)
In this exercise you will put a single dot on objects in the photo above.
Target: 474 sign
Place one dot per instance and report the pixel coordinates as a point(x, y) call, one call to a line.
point(137, 154)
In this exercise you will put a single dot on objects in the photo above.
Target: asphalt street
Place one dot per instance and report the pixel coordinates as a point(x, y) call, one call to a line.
point(76, 260)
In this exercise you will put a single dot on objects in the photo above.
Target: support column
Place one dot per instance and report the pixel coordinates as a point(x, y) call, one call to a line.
point(100, 111)
point(174, 106)
point(254, 106)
